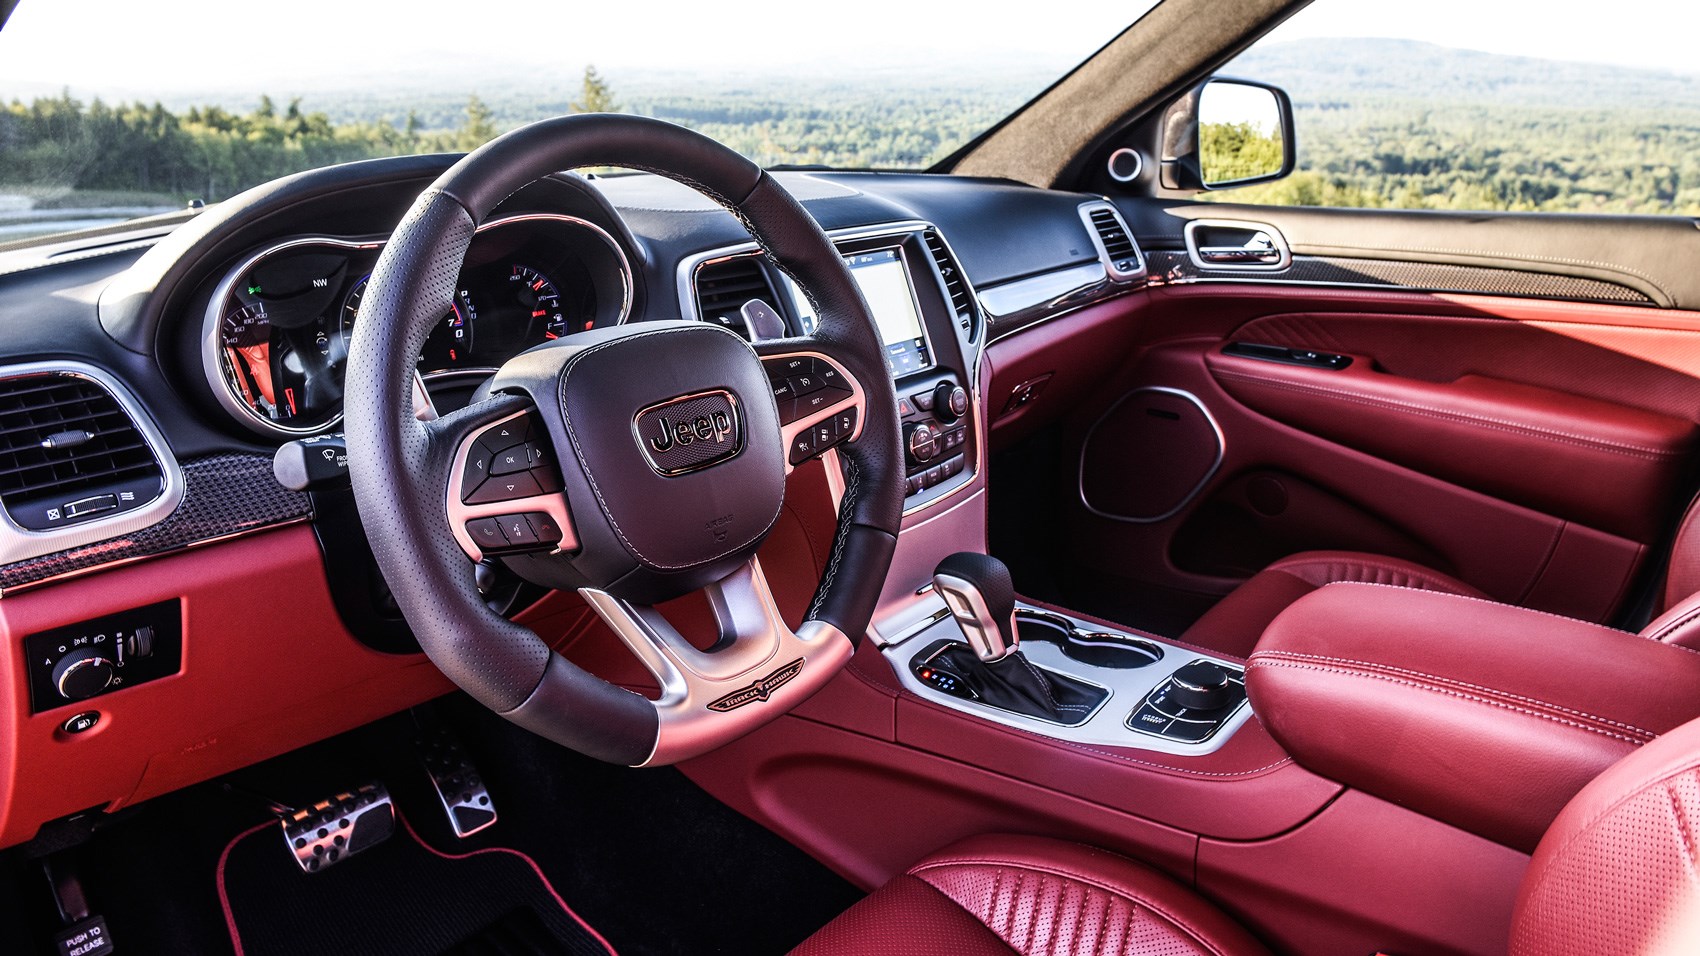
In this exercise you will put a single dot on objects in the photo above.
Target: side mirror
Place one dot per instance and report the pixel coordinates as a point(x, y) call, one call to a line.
point(1227, 133)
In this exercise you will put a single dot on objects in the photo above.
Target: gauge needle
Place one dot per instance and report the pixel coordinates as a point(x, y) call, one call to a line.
point(259, 361)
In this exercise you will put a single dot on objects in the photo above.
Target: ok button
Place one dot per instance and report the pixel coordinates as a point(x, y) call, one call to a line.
point(509, 460)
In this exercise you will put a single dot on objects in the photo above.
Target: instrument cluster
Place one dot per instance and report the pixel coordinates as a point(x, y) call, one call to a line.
point(278, 328)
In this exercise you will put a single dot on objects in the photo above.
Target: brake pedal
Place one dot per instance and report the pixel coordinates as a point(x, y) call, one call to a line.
point(460, 787)
point(333, 830)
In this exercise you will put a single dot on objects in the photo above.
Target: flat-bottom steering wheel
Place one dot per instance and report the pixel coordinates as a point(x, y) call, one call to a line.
point(647, 460)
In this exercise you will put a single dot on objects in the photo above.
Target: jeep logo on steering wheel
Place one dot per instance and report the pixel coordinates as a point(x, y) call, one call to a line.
point(690, 432)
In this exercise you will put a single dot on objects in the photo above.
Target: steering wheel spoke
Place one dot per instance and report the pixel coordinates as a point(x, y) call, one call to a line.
point(758, 669)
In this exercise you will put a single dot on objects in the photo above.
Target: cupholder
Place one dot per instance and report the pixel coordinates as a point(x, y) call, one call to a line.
point(1097, 648)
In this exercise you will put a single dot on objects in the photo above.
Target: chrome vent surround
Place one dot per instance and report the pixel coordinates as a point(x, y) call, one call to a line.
point(955, 283)
point(79, 461)
point(1116, 247)
point(724, 285)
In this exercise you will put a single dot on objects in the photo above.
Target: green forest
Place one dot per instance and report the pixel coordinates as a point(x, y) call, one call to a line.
point(1481, 131)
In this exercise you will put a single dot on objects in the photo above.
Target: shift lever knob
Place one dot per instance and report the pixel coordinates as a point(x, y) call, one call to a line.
point(978, 590)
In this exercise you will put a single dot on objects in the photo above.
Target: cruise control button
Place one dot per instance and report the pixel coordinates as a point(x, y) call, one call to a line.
point(509, 460)
point(787, 367)
point(545, 527)
point(829, 377)
point(815, 401)
point(518, 530)
point(804, 384)
point(486, 533)
point(1149, 720)
point(506, 488)
point(803, 447)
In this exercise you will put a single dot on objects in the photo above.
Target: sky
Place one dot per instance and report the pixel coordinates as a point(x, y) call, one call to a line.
point(166, 46)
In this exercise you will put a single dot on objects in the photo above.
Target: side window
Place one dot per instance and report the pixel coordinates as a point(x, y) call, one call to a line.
point(1477, 106)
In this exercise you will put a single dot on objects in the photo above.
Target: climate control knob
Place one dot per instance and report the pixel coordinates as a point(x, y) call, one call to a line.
point(922, 441)
point(950, 402)
point(82, 674)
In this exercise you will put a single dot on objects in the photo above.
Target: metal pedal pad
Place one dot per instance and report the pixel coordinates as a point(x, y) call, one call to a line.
point(460, 787)
point(333, 830)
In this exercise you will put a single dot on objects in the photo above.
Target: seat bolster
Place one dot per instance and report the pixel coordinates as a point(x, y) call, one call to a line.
point(1233, 626)
point(905, 917)
point(1063, 899)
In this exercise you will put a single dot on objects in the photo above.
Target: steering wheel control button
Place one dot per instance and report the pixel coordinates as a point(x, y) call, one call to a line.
point(80, 723)
point(487, 532)
point(518, 530)
point(505, 488)
point(510, 459)
point(546, 529)
point(803, 447)
point(844, 424)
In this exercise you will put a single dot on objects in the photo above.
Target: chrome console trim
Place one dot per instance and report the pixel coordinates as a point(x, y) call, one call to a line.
point(1107, 726)
point(18, 543)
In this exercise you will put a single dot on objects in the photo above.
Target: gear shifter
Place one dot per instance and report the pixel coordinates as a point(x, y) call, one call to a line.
point(981, 596)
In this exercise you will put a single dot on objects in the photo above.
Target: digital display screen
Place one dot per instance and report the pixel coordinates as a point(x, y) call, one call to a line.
point(884, 281)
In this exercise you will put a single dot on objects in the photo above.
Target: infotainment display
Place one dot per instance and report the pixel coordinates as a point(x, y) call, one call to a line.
point(884, 280)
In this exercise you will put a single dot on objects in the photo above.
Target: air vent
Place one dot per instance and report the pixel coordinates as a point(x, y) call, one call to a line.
point(961, 300)
point(71, 453)
point(723, 287)
point(1116, 247)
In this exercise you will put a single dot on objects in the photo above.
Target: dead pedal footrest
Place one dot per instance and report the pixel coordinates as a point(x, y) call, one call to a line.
point(333, 830)
point(460, 787)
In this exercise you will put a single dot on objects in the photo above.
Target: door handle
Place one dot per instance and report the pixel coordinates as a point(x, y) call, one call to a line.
point(1242, 255)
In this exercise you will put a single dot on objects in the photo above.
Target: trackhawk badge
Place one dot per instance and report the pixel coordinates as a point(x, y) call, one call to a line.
point(690, 432)
point(761, 690)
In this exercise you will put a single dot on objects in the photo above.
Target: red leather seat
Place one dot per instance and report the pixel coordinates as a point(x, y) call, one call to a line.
point(1616, 873)
point(1237, 621)
point(998, 895)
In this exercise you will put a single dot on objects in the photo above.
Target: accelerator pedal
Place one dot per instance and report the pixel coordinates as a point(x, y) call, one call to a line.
point(330, 831)
point(460, 787)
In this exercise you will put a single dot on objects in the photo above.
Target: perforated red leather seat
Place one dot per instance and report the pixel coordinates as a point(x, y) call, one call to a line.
point(1238, 620)
point(1616, 873)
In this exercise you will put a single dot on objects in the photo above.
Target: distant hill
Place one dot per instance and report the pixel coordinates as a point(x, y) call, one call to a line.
point(1324, 69)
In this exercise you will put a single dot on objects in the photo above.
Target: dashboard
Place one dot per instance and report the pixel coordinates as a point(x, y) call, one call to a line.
point(224, 337)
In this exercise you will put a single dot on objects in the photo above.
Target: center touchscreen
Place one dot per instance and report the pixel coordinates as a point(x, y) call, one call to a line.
point(884, 281)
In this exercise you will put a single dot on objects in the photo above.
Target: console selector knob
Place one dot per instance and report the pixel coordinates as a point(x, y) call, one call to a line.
point(922, 441)
point(950, 402)
point(1200, 685)
point(82, 673)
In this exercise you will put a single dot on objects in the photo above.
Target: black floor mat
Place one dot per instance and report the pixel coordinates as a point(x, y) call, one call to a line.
point(398, 897)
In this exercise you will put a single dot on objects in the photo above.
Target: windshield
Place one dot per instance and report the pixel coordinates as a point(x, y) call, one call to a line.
point(115, 109)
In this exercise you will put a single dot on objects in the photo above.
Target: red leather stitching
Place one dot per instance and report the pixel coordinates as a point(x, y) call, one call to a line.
point(1344, 672)
point(1173, 919)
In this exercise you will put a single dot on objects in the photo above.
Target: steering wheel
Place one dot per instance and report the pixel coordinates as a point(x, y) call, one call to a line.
point(646, 461)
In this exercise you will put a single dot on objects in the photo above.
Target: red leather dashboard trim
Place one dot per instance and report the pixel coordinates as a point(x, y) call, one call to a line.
point(267, 667)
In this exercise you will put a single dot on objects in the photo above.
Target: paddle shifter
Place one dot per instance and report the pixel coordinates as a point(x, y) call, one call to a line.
point(981, 596)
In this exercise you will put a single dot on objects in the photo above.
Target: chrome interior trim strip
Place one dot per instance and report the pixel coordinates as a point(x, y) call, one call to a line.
point(18, 543)
point(1209, 473)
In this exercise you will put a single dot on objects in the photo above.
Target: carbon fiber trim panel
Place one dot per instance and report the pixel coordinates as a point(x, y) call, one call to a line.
point(1169, 268)
point(224, 495)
